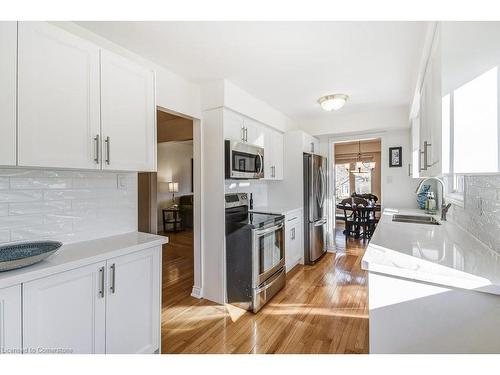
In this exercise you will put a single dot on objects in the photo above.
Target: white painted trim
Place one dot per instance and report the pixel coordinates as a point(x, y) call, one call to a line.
point(196, 292)
point(331, 170)
point(198, 199)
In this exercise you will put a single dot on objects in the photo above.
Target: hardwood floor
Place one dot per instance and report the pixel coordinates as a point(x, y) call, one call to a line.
point(322, 309)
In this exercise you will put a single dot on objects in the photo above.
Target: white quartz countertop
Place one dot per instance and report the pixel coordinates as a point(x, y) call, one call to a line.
point(281, 210)
point(439, 254)
point(80, 254)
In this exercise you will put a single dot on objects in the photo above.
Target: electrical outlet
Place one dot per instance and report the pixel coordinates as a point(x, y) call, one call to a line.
point(121, 181)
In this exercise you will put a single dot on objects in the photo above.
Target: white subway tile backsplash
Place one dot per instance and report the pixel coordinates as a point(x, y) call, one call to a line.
point(9, 222)
point(65, 205)
point(4, 236)
point(38, 207)
point(481, 214)
point(4, 183)
point(41, 231)
point(20, 196)
point(40, 183)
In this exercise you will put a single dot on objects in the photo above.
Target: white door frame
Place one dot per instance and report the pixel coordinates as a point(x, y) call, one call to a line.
point(198, 198)
point(331, 170)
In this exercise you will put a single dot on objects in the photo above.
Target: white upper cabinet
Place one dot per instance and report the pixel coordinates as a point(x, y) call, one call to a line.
point(8, 61)
point(58, 98)
point(133, 303)
point(255, 132)
point(10, 319)
point(430, 112)
point(66, 310)
point(310, 144)
point(128, 113)
point(273, 155)
point(234, 126)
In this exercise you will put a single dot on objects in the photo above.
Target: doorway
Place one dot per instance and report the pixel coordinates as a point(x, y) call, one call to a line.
point(357, 172)
point(168, 206)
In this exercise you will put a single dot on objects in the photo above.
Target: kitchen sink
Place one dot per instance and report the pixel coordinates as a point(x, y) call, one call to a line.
point(25, 254)
point(415, 219)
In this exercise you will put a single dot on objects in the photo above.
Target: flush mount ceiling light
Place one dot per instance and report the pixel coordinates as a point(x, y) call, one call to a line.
point(333, 102)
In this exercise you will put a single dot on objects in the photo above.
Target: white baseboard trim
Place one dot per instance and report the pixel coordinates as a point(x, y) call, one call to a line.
point(196, 292)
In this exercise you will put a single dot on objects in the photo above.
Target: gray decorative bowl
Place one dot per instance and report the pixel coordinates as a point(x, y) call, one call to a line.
point(25, 254)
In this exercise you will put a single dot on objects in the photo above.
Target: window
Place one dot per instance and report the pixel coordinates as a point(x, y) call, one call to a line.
point(342, 181)
point(470, 132)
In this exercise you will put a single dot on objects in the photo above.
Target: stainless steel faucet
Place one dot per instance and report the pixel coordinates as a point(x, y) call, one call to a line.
point(444, 207)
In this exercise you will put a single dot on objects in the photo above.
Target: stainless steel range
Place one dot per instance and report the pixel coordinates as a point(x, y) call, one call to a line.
point(255, 254)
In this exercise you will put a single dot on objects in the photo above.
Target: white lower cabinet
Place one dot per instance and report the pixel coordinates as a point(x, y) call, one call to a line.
point(10, 319)
point(107, 307)
point(294, 246)
point(133, 303)
point(66, 311)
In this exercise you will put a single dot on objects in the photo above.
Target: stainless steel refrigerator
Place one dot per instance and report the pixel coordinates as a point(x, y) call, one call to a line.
point(315, 212)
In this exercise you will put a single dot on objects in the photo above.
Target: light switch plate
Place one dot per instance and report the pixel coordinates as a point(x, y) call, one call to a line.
point(121, 181)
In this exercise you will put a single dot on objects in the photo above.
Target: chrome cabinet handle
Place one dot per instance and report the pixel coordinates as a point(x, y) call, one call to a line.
point(426, 157)
point(108, 142)
point(409, 169)
point(101, 282)
point(112, 287)
point(246, 134)
point(96, 140)
point(292, 233)
point(242, 134)
point(420, 168)
point(312, 147)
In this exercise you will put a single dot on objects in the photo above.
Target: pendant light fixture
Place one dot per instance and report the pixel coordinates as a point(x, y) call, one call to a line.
point(367, 167)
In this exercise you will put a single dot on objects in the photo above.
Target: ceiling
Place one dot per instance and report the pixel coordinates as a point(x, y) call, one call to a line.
point(286, 64)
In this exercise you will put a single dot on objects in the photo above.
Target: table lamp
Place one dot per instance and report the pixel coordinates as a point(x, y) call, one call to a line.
point(173, 187)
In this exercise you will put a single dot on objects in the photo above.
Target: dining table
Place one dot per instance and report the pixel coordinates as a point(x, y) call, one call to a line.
point(363, 217)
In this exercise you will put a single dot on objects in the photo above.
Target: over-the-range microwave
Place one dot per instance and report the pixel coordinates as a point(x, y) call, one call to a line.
point(243, 160)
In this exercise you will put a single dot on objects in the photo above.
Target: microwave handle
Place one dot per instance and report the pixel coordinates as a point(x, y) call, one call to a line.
point(261, 163)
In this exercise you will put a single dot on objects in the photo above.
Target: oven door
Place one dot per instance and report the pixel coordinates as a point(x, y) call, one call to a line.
point(244, 161)
point(268, 252)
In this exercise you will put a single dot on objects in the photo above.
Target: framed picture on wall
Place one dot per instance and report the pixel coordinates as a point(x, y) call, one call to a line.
point(395, 157)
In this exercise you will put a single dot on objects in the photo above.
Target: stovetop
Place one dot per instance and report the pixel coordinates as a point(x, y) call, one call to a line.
point(252, 219)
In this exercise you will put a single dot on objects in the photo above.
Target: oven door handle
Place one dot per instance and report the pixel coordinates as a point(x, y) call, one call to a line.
point(263, 232)
point(270, 281)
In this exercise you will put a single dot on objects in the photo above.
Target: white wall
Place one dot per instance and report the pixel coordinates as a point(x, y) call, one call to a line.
point(398, 189)
point(257, 188)
point(224, 93)
point(337, 123)
point(174, 165)
point(67, 206)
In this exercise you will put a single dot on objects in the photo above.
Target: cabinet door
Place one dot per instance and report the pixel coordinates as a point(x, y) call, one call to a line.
point(66, 311)
point(8, 73)
point(293, 243)
point(273, 155)
point(233, 126)
point(255, 132)
point(10, 319)
point(128, 115)
point(58, 105)
point(278, 155)
point(133, 303)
